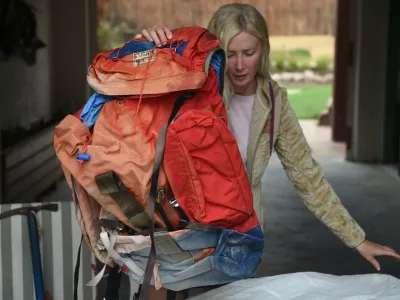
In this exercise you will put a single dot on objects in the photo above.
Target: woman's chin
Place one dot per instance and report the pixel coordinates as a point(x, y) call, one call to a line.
point(243, 86)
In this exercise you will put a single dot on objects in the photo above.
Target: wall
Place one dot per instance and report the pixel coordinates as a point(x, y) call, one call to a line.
point(25, 90)
point(56, 84)
point(285, 17)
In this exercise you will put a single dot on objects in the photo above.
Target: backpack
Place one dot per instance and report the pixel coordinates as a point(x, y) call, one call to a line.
point(157, 179)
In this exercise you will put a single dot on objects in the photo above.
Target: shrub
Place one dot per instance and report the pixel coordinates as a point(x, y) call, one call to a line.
point(323, 64)
point(300, 52)
point(287, 63)
point(112, 36)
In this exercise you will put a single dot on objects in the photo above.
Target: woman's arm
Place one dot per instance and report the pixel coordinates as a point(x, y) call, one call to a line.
point(308, 178)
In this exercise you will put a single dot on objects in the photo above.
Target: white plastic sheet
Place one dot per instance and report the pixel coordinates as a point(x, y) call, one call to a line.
point(309, 286)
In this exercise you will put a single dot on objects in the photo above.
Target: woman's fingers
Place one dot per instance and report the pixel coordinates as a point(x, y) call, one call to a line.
point(374, 262)
point(154, 36)
point(168, 32)
point(390, 252)
point(371, 250)
point(157, 34)
point(146, 34)
point(162, 34)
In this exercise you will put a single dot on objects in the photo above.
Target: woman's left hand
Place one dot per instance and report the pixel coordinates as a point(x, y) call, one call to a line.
point(369, 250)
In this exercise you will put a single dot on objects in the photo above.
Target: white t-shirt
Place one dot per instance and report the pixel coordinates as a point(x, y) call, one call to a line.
point(239, 115)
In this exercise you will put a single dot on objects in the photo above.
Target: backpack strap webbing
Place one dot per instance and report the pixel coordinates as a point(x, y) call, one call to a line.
point(171, 295)
point(203, 227)
point(158, 158)
point(78, 258)
point(110, 184)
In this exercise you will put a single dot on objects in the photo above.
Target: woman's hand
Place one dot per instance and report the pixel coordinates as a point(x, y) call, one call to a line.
point(157, 34)
point(369, 250)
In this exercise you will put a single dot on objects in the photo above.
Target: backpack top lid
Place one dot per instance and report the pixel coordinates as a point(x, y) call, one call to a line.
point(141, 68)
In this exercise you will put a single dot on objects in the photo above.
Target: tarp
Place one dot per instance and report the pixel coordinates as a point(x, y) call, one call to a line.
point(309, 286)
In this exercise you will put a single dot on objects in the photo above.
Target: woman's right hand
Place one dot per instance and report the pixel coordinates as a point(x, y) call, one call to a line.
point(157, 34)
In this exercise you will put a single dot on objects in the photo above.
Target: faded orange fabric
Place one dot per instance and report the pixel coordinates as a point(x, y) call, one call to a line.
point(169, 72)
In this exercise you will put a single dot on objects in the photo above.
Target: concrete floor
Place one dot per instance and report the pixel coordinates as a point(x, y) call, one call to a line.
point(296, 241)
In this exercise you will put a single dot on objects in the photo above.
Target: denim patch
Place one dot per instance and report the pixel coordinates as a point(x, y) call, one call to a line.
point(238, 254)
point(236, 257)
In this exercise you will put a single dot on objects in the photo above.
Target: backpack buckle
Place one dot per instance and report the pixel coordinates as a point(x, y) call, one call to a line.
point(160, 194)
point(173, 202)
point(111, 224)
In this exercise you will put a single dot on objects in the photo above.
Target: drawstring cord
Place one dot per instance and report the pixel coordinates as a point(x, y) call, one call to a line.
point(148, 60)
point(88, 140)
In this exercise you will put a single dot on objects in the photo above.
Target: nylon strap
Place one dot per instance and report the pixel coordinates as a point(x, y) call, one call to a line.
point(76, 272)
point(171, 295)
point(159, 154)
point(78, 258)
point(165, 244)
point(110, 184)
point(203, 227)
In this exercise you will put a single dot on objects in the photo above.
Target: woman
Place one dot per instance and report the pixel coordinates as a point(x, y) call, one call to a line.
point(243, 34)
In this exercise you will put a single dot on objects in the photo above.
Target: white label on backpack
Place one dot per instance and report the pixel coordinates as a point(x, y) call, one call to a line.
point(140, 58)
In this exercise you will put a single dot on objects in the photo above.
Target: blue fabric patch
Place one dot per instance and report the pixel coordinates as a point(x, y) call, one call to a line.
point(256, 232)
point(196, 239)
point(140, 46)
point(238, 254)
point(218, 63)
point(92, 109)
point(236, 257)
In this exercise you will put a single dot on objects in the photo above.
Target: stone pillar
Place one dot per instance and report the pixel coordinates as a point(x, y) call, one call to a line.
point(367, 87)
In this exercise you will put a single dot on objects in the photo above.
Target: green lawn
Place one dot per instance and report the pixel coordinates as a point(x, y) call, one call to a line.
point(309, 100)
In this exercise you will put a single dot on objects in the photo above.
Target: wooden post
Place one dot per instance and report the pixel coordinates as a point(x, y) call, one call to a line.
point(342, 54)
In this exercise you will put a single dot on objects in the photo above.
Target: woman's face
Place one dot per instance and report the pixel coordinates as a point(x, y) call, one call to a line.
point(244, 59)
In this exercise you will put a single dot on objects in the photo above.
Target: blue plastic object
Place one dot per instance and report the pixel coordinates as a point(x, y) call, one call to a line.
point(84, 157)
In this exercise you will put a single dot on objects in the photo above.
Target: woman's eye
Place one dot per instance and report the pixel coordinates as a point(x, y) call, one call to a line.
point(249, 53)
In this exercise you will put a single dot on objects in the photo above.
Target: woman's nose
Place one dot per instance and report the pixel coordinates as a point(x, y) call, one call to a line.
point(239, 64)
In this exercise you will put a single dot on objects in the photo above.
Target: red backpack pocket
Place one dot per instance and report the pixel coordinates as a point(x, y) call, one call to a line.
point(205, 170)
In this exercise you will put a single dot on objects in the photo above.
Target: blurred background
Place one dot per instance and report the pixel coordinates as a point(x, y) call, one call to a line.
point(339, 60)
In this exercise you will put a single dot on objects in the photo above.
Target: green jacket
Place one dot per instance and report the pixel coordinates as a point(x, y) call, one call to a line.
point(296, 158)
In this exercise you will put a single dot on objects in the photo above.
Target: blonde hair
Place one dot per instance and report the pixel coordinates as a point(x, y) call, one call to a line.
point(231, 19)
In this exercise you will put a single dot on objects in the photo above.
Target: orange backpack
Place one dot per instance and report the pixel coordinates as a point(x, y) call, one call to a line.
point(157, 177)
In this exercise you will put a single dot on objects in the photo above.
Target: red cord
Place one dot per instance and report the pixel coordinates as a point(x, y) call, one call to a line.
point(152, 53)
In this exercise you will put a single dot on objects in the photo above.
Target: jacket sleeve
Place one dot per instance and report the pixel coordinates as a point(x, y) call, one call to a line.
point(308, 179)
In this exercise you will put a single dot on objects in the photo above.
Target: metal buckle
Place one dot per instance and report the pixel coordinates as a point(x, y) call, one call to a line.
point(112, 224)
point(173, 202)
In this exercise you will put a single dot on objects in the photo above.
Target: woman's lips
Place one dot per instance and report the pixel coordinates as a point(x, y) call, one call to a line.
point(239, 76)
